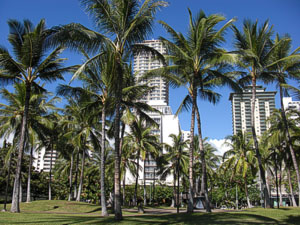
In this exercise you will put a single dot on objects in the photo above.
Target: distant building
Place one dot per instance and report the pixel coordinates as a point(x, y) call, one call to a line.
point(241, 109)
point(158, 98)
point(43, 158)
point(288, 103)
point(144, 62)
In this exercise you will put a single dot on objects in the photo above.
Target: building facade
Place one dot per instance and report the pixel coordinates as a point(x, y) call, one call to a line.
point(158, 98)
point(144, 62)
point(42, 160)
point(241, 109)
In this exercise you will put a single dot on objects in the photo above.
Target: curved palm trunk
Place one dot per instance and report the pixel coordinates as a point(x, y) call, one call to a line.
point(29, 177)
point(145, 192)
point(50, 173)
point(76, 175)
point(287, 133)
point(202, 156)
point(291, 187)
point(70, 177)
point(137, 178)
point(81, 177)
point(124, 195)
point(190, 207)
point(247, 194)
point(117, 205)
point(7, 178)
point(15, 206)
point(102, 169)
point(261, 169)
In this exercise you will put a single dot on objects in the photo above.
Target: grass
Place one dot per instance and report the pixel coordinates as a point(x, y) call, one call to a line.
point(63, 212)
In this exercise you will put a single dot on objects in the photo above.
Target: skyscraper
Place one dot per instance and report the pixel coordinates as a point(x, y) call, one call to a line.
point(241, 109)
point(158, 98)
point(144, 62)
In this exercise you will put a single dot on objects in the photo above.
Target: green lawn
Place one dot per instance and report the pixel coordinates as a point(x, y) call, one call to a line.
point(63, 212)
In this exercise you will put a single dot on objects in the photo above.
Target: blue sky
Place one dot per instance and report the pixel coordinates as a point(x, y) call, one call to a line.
point(216, 120)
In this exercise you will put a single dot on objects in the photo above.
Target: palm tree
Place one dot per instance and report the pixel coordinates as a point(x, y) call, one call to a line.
point(144, 144)
point(240, 158)
point(12, 113)
point(127, 23)
point(174, 162)
point(282, 71)
point(257, 55)
point(30, 46)
point(211, 159)
point(198, 64)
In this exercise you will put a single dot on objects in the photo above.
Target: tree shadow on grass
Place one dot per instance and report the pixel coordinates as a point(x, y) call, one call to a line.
point(182, 218)
point(292, 220)
point(212, 218)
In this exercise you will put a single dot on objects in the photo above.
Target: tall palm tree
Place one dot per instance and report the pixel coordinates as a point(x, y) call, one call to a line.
point(12, 113)
point(174, 162)
point(211, 159)
point(144, 144)
point(198, 64)
point(256, 51)
point(278, 137)
point(126, 22)
point(30, 47)
point(282, 71)
point(240, 158)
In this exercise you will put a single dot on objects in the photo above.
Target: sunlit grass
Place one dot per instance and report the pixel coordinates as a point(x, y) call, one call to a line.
point(63, 212)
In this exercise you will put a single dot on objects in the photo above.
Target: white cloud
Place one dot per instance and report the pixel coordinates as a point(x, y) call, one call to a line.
point(219, 145)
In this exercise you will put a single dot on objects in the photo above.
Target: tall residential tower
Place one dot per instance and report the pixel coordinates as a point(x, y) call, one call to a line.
point(241, 109)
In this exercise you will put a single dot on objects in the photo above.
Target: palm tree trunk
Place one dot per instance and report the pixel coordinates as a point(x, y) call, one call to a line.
point(76, 175)
point(202, 156)
point(21, 191)
point(70, 177)
point(50, 172)
point(190, 207)
point(261, 169)
point(137, 178)
point(287, 133)
point(145, 193)
point(291, 187)
point(8, 176)
point(178, 185)
point(15, 206)
point(247, 194)
point(174, 190)
point(81, 177)
point(280, 189)
point(118, 209)
point(29, 177)
point(102, 161)
point(124, 180)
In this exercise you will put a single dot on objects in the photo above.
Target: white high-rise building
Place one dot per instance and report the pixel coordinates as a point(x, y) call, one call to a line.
point(42, 160)
point(158, 98)
point(144, 62)
point(241, 109)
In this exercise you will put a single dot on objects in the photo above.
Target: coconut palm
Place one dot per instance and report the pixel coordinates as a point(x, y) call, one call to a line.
point(144, 144)
point(198, 63)
point(240, 158)
point(257, 55)
point(12, 113)
point(211, 159)
point(31, 62)
point(126, 23)
point(282, 71)
point(174, 162)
